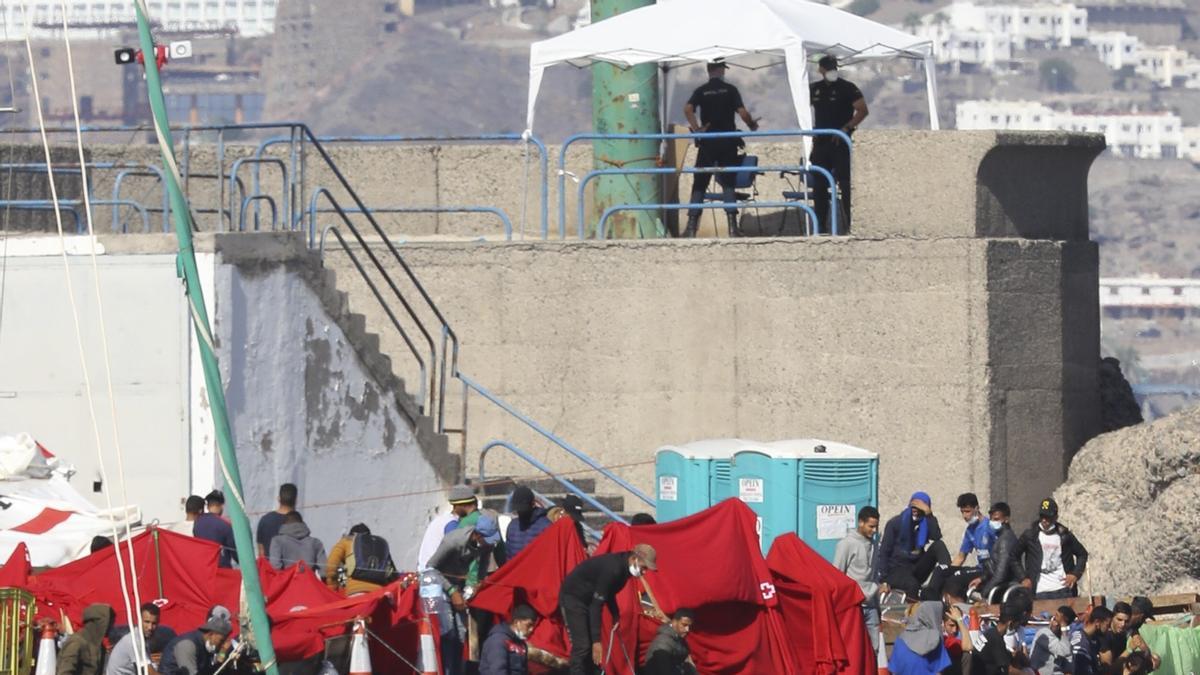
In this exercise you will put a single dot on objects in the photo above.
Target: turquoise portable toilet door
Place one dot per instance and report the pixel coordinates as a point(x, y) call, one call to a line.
point(681, 484)
point(768, 486)
point(836, 481)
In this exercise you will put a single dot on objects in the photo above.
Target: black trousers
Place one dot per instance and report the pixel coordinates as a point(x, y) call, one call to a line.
point(833, 155)
point(952, 580)
point(575, 616)
point(909, 577)
point(714, 153)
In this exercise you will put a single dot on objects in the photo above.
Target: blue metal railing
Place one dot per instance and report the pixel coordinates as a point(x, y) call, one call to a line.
point(707, 205)
point(256, 194)
point(550, 436)
point(824, 173)
point(567, 485)
point(124, 169)
point(775, 133)
point(543, 156)
point(313, 211)
point(72, 206)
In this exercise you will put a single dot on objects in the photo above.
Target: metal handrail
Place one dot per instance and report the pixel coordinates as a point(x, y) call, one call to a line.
point(233, 172)
point(543, 155)
point(774, 133)
point(550, 436)
point(833, 195)
point(136, 206)
point(44, 205)
point(416, 353)
point(153, 172)
point(568, 485)
point(257, 198)
point(496, 211)
point(707, 205)
point(388, 278)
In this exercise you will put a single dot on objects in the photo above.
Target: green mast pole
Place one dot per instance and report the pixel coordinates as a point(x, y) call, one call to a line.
point(181, 215)
point(625, 101)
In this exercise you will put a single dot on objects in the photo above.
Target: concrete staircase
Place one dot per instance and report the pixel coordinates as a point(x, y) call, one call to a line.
point(495, 494)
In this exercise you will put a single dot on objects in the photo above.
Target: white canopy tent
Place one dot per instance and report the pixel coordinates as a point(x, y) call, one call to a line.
point(746, 33)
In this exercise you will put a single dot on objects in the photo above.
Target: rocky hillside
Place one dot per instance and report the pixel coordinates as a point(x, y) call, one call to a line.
point(1133, 498)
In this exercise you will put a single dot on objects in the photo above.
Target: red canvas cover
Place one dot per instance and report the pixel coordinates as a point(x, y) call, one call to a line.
point(533, 578)
point(15, 573)
point(821, 608)
point(710, 562)
point(178, 572)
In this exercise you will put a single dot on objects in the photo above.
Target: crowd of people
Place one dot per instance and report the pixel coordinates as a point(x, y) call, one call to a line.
point(1045, 562)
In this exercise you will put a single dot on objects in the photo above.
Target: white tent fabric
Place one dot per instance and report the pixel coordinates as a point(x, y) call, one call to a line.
point(746, 33)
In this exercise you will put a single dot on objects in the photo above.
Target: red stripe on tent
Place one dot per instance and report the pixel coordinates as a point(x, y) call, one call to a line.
point(45, 453)
point(44, 522)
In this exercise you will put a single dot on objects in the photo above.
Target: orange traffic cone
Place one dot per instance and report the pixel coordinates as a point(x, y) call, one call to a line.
point(360, 656)
point(47, 658)
point(428, 662)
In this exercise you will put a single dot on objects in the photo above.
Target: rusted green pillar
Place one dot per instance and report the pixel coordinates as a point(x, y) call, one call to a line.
point(625, 101)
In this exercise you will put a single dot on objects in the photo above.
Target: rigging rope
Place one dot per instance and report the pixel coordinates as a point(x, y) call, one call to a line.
point(139, 646)
point(8, 191)
point(37, 102)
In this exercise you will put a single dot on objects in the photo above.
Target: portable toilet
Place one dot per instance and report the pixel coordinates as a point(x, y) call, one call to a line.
point(835, 480)
point(691, 477)
point(765, 480)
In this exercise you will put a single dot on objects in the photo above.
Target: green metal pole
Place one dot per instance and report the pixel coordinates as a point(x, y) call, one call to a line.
point(625, 101)
point(212, 374)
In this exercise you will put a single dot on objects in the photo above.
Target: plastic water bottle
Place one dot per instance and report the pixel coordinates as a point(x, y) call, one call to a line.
point(433, 598)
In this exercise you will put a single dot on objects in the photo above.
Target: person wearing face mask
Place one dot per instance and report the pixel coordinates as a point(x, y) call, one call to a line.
point(837, 104)
point(912, 546)
point(504, 651)
point(978, 538)
point(1002, 568)
point(1054, 559)
point(531, 521)
point(587, 590)
point(995, 657)
point(719, 102)
point(192, 653)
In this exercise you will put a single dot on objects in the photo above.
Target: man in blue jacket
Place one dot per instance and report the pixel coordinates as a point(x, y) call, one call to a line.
point(912, 546)
point(504, 651)
point(531, 521)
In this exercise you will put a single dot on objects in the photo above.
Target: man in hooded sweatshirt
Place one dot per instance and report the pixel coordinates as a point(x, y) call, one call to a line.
point(504, 651)
point(668, 653)
point(531, 521)
point(295, 543)
point(192, 653)
point(83, 652)
point(912, 546)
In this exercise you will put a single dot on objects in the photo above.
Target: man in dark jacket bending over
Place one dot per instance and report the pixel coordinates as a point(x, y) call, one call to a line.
point(1002, 569)
point(593, 584)
point(668, 653)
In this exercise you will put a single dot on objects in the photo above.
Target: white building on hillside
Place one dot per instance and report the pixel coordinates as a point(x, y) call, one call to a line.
point(967, 50)
point(1166, 64)
point(1051, 23)
point(98, 17)
point(1133, 134)
point(1116, 49)
point(1191, 144)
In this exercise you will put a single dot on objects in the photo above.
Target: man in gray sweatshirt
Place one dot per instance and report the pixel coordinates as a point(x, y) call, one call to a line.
point(1052, 653)
point(857, 557)
point(295, 543)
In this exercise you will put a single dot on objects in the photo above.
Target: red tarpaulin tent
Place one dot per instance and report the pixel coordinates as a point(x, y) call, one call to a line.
point(15, 573)
point(821, 609)
point(533, 578)
point(710, 562)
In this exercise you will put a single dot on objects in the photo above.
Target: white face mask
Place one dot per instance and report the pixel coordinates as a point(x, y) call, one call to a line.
point(995, 525)
point(635, 571)
point(831, 75)
point(974, 519)
point(210, 647)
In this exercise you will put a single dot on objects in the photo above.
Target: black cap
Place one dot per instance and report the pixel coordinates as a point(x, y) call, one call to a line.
point(522, 498)
point(828, 62)
point(718, 63)
point(215, 497)
point(573, 505)
point(524, 613)
point(1048, 508)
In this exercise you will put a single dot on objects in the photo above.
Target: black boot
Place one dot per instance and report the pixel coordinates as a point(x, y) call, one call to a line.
point(693, 224)
point(732, 219)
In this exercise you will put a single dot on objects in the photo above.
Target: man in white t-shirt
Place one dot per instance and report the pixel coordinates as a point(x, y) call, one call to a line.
point(1054, 560)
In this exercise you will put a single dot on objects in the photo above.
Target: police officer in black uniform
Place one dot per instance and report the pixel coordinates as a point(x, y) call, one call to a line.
point(837, 104)
point(718, 102)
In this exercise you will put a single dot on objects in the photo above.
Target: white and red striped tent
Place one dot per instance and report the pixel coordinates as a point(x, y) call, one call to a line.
point(38, 507)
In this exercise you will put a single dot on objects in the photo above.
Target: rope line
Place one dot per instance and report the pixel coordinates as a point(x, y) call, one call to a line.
point(70, 287)
point(139, 645)
point(388, 647)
